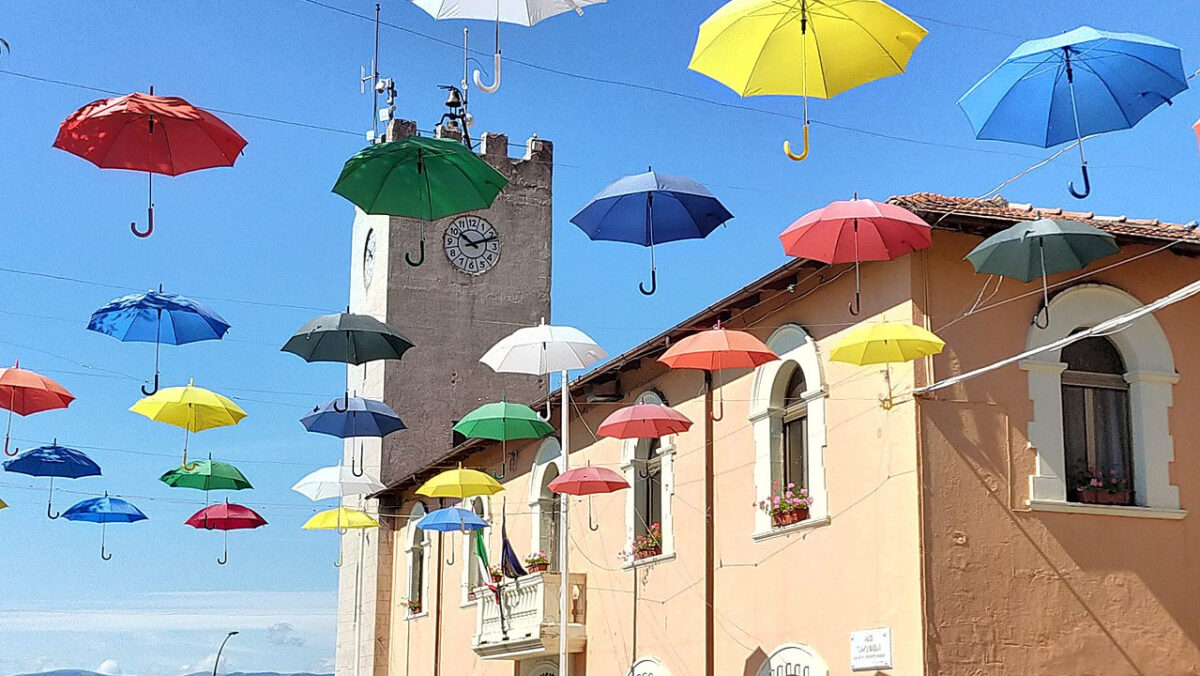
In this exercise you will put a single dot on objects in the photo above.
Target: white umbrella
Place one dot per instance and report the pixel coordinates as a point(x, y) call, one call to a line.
point(520, 12)
point(328, 483)
point(540, 350)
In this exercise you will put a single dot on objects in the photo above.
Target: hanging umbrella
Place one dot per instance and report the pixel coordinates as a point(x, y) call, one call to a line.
point(1196, 128)
point(539, 350)
point(338, 481)
point(422, 178)
point(3, 505)
point(452, 519)
point(854, 231)
point(651, 208)
point(519, 12)
point(644, 421)
point(359, 418)
point(588, 481)
point(154, 134)
point(803, 48)
point(460, 484)
point(157, 317)
point(1074, 85)
point(104, 511)
point(53, 461)
point(195, 409)
point(226, 517)
point(503, 422)
point(1033, 249)
point(207, 475)
point(886, 343)
point(716, 350)
point(340, 520)
point(24, 392)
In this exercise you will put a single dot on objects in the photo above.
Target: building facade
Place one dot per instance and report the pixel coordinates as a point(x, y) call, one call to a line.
point(950, 533)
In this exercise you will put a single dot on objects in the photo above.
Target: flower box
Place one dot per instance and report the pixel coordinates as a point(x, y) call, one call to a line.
point(781, 519)
point(647, 553)
point(497, 578)
point(1096, 496)
point(538, 567)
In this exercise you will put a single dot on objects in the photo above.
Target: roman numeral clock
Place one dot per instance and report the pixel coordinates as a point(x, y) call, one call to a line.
point(472, 245)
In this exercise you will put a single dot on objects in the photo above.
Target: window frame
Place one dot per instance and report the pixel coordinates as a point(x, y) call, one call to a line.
point(414, 547)
point(549, 456)
point(631, 466)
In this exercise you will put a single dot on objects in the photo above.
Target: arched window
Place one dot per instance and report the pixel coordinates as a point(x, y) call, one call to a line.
point(649, 467)
point(474, 576)
point(544, 504)
point(417, 553)
point(1095, 402)
point(794, 452)
point(647, 487)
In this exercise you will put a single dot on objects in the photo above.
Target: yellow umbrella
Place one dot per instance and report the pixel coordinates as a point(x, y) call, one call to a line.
point(460, 483)
point(886, 343)
point(3, 504)
point(341, 520)
point(803, 48)
point(193, 408)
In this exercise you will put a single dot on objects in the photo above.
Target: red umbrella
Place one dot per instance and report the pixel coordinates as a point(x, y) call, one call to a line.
point(644, 421)
point(588, 481)
point(226, 517)
point(854, 231)
point(716, 350)
point(24, 392)
point(155, 134)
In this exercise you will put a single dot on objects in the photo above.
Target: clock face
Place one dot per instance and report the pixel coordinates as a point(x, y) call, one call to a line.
point(369, 259)
point(472, 245)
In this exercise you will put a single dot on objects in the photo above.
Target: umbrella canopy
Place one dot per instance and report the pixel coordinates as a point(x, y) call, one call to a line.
point(3, 504)
point(422, 178)
point(207, 475)
point(341, 518)
point(193, 408)
point(155, 134)
point(803, 47)
point(53, 461)
point(503, 421)
point(226, 516)
point(718, 349)
point(348, 339)
point(886, 343)
point(651, 208)
point(338, 481)
point(451, 519)
point(25, 392)
point(1074, 85)
point(1196, 128)
point(644, 421)
point(104, 511)
point(542, 349)
point(1040, 248)
point(361, 418)
point(853, 231)
point(588, 481)
point(460, 483)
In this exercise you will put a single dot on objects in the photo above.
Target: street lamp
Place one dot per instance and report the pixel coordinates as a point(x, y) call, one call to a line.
point(222, 649)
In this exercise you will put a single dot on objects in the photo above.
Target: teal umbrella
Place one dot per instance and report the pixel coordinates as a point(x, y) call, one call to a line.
point(423, 178)
point(503, 421)
point(1033, 249)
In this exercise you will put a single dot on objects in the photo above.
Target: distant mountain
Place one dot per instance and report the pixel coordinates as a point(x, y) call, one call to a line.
point(84, 672)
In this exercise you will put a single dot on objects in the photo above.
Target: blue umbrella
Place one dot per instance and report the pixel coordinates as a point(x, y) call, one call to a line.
point(1067, 87)
point(355, 417)
point(449, 520)
point(104, 511)
point(53, 461)
point(651, 208)
point(157, 317)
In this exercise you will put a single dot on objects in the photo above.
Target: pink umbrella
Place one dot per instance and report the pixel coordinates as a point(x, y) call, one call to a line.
point(644, 421)
point(588, 481)
point(854, 231)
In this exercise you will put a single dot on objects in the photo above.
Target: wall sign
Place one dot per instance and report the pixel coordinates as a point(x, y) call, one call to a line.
point(871, 650)
point(793, 659)
point(648, 666)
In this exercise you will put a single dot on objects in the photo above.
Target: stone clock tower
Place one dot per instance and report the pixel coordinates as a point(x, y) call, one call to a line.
point(485, 274)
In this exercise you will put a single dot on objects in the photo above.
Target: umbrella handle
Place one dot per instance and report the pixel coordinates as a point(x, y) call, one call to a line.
point(591, 524)
point(224, 556)
point(495, 86)
point(420, 256)
point(104, 555)
point(338, 563)
point(359, 469)
point(14, 452)
point(49, 513)
point(103, 531)
point(787, 148)
point(345, 406)
point(855, 306)
point(187, 467)
point(153, 389)
point(653, 284)
point(1038, 320)
point(549, 413)
point(133, 227)
point(1087, 185)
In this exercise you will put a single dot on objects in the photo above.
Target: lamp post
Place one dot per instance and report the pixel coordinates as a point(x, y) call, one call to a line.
point(221, 650)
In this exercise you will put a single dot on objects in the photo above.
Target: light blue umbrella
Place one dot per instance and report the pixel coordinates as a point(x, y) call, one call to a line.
point(104, 511)
point(449, 520)
point(358, 417)
point(1074, 85)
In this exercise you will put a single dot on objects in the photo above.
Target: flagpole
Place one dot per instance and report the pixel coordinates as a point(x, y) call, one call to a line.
point(564, 542)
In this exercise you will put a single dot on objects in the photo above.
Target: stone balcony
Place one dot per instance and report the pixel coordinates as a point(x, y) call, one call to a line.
point(529, 623)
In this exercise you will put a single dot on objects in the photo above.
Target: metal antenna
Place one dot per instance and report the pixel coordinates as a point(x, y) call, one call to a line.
point(373, 78)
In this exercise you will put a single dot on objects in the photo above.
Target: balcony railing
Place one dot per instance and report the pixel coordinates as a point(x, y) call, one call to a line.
point(523, 621)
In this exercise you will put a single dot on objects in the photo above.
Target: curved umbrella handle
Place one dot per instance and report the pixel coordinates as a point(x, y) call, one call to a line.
point(338, 563)
point(787, 148)
point(1038, 320)
point(187, 467)
point(53, 515)
point(14, 452)
point(345, 406)
point(549, 413)
point(359, 469)
point(653, 284)
point(104, 555)
point(420, 257)
point(1087, 185)
point(495, 86)
point(153, 389)
point(855, 306)
point(591, 524)
point(133, 227)
point(224, 558)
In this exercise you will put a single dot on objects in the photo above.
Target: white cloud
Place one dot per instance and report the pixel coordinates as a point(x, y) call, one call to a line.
point(284, 634)
point(109, 668)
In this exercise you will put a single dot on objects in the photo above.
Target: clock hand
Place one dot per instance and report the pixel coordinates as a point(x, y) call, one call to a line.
point(475, 245)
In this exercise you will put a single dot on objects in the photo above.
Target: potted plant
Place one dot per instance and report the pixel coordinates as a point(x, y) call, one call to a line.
point(649, 544)
point(537, 562)
point(786, 505)
point(414, 606)
point(1097, 488)
point(496, 573)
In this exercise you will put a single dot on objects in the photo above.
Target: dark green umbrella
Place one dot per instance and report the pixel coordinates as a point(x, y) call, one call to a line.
point(1040, 248)
point(424, 178)
point(207, 475)
point(503, 422)
point(348, 339)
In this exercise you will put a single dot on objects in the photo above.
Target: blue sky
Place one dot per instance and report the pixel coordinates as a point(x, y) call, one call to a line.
point(267, 245)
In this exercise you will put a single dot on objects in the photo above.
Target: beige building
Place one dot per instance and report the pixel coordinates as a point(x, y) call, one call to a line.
point(947, 534)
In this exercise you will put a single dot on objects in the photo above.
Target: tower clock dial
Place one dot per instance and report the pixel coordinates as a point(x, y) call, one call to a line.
point(368, 261)
point(472, 245)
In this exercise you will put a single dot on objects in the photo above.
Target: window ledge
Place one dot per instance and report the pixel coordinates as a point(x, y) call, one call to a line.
point(1106, 510)
point(423, 613)
point(807, 524)
point(648, 561)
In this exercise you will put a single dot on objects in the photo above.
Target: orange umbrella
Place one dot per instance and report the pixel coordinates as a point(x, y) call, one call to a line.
point(24, 392)
point(716, 350)
point(1196, 127)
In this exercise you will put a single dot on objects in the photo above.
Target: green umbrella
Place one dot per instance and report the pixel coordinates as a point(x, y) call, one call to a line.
point(423, 178)
point(207, 475)
point(1040, 248)
point(503, 422)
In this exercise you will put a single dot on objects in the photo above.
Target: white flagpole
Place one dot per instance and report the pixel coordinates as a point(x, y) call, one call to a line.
point(563, 541)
